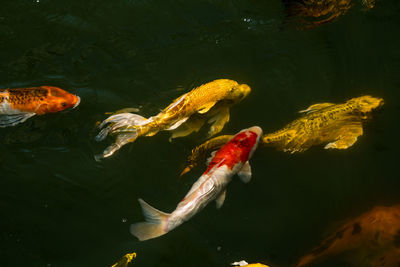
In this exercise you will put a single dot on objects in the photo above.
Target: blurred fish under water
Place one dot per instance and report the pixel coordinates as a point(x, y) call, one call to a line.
point(312, 13)
point(371, 240)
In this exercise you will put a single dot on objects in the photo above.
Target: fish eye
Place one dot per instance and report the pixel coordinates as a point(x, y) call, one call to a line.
point(63, 104)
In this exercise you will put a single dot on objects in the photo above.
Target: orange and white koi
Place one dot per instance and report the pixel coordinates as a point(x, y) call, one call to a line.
point(232, 158)
point(19, 104)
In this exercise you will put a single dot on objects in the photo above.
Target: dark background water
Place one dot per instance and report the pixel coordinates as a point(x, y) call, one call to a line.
point(59, 207)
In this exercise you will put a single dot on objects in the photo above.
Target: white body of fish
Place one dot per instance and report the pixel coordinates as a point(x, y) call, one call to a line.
point(210, 186)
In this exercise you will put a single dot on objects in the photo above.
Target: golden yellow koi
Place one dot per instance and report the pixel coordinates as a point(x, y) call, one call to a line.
point(125, 260)
point(370, 240)
point(338, 125)
point(210, 101)
point(311, 13)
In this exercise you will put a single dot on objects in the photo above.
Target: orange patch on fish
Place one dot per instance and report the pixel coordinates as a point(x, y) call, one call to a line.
point(19, 104)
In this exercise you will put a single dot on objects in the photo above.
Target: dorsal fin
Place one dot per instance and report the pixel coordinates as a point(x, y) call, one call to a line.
point(316, 107)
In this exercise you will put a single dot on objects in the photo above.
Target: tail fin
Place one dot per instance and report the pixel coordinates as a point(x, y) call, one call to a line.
point(154, 225)
point(122, 139)
point(118, 121)
point(122, 124)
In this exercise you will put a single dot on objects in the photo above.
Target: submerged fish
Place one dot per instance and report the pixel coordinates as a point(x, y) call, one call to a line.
point(218, 94)
point(370, 240)
point(311, 13)
point(232, 158)
point(19, 104)
point(245, 264)
point(336, 125)
point(125, 260)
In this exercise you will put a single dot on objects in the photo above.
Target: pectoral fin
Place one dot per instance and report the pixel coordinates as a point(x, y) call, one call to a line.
point(14, 119)
point(245, 173)
point(220, 199)
point(206, 107)
point(177, 124)
point(190, 126)
point(315, 107)
point(218, 121)
point(348, 137)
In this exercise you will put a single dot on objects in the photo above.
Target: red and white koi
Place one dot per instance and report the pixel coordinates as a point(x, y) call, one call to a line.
point(19, 104)
point(232, 158)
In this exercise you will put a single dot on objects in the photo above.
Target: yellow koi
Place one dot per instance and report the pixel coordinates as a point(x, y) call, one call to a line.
point(338, 125)
point(210, 101)
point(125, 260)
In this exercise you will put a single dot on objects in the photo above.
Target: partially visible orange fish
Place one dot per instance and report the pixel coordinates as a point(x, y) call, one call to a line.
point(19, 104)
point(369, 240)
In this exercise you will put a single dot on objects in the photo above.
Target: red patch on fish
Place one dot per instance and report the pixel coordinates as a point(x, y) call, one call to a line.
point(236, 150)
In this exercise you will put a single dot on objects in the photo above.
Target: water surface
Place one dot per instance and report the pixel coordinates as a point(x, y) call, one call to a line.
point(59, 207)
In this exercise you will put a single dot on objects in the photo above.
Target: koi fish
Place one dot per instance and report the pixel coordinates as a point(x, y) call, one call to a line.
point(125, 260)
point(336, 125)
point(312, 13)
point(218, 94)
point(19, 104)
point(245, 264)
point(370, 240)
point(232, 158)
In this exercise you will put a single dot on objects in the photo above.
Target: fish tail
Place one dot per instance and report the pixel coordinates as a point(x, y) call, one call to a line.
point(122, 139)
point(123, 122)
point(126, 126)
point(154, 225)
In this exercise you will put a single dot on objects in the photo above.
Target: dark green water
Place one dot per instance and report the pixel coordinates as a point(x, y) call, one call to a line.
point(59, 207)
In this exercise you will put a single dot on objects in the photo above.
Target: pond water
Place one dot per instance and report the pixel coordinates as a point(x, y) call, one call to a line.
point(59, 207)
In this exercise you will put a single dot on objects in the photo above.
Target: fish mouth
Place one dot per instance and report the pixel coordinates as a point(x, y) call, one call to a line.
point(256, 130)
point(78, 102)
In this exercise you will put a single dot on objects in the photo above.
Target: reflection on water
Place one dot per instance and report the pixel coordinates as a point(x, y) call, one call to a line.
point(59, 207)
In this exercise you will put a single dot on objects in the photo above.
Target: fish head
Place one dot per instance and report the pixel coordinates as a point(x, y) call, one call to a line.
point(367, 103)
point(236, 151)
point(57, 100)
point(238, 92)
point(245, 143)
point(253, 134)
